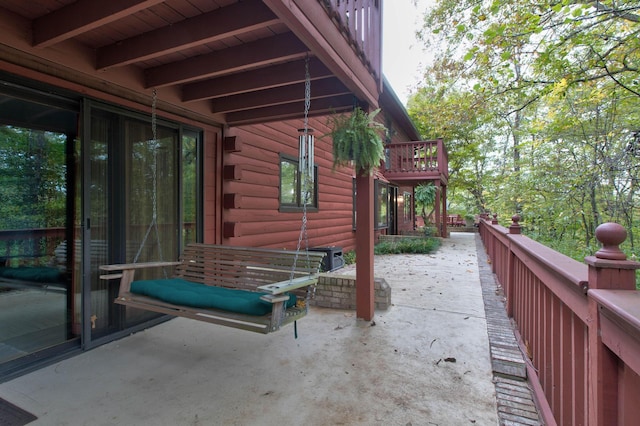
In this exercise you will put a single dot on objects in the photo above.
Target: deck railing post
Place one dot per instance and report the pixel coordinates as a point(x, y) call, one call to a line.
point(514, 229)
point(608, 269)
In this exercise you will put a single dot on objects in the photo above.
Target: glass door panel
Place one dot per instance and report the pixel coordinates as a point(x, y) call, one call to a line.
point(151, 186)
point(190, 204)
point(36, 273)
point(102, 317)
point(135, 205)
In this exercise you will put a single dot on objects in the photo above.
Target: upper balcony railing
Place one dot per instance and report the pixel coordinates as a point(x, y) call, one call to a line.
point(361, 23)
point(416, 161)
point(577, 323)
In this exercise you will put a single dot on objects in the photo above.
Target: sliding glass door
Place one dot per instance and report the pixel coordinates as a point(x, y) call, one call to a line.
point(83, 184)
point(137, 211)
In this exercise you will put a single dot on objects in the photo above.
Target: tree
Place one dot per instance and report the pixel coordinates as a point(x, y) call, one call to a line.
point(540, 106)
point(425, 196)
point(550, 40)
point(462, 118)
point(32, 178)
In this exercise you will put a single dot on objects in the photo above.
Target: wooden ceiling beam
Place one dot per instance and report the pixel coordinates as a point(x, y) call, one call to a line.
point(279, 48)
point(259, 79)
point(280, 95)
point(238, 18)
point(294, 110)
point(82, 16)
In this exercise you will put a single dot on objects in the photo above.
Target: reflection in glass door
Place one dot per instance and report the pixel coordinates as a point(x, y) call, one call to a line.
point(134, 208)
point(151, 203)
point(100, 318)
point(38, 298)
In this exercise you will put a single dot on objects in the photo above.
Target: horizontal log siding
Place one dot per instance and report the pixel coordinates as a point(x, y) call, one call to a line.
point(547, 299)
point(258, 221)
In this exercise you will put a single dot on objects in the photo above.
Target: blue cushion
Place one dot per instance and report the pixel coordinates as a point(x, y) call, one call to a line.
point(186, 293)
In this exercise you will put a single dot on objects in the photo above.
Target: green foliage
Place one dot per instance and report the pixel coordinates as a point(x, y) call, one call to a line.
point(357, 137)
point(409, 245)
point(349, 257)
point(429, 231)
point(32, 179)
point(425, 196)
point(539, 104)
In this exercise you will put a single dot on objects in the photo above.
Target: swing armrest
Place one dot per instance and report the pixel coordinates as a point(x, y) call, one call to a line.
point(274, 298)
point(128, 272)
point(143, 265)
point(288, 285)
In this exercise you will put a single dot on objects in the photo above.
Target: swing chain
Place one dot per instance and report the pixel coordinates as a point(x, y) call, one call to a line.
point(154, 146)
point(308, 175)
point(307, 181)
point(154, 192)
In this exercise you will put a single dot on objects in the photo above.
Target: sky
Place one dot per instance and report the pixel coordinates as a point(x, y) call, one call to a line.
point(403, 57)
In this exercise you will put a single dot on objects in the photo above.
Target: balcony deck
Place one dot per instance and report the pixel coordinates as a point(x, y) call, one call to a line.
point(427, 360)
point(411, 163)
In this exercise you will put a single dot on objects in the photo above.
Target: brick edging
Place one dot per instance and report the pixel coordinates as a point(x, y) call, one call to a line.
point(516, 405)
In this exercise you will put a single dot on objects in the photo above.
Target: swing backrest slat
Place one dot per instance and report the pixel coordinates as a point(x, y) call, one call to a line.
point(244, 267)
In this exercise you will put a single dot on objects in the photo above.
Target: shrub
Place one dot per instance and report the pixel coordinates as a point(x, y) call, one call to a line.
point(429, 231)
point(409, 245)
point(349, 257)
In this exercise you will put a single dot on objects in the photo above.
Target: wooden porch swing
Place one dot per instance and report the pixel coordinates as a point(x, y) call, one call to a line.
point(249, 288)
point(253, 289)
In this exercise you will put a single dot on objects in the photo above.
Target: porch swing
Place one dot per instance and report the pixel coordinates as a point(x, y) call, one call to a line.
point(248, 288)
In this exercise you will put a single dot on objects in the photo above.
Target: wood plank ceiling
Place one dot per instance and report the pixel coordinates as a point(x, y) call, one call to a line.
point(237, 58)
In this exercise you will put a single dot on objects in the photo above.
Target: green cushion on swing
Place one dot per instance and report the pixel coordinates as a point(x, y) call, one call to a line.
point(186, 293)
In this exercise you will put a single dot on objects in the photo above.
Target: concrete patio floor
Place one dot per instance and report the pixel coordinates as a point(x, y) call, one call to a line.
point(424, 361)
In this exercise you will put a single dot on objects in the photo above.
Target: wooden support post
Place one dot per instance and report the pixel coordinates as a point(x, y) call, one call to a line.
point(440, 220)
point(364, 246)
point(608, 269)
point(509, 287)
point(445, 230)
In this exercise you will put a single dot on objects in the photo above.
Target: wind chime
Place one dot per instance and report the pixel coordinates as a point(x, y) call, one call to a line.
point(306, 139)
point(306, 170)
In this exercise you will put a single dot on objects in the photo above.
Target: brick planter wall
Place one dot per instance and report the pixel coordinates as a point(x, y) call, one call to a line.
point(339, 292)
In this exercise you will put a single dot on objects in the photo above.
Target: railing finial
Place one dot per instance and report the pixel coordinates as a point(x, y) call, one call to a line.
point(611, 235)
point(515, 227)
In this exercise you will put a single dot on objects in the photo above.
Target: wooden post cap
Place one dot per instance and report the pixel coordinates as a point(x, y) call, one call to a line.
point(515, 227)
point(611, 235)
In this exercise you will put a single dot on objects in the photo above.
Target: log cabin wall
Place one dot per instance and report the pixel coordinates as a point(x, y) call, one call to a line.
point(212, 186)
point(251, 213)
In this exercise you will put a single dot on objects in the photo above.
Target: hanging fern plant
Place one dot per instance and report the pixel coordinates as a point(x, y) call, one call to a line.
point(357, 137)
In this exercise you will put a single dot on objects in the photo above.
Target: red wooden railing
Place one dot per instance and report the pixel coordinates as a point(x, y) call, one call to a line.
point(578, 324)
point(361, 23)
point(417, 158)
